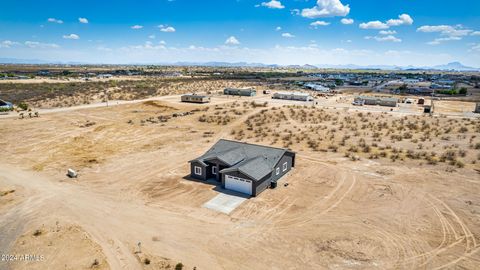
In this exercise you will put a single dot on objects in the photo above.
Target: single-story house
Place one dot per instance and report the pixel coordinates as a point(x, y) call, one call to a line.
point(249, 92)
point(193, 98)
point(293, 96)
point(370, 100)
point(243, 167)
point(5, 105)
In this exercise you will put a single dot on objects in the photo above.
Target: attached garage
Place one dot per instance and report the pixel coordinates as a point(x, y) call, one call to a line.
point(238, 184)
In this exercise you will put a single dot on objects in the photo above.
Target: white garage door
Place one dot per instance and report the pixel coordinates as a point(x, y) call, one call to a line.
point(238, 184)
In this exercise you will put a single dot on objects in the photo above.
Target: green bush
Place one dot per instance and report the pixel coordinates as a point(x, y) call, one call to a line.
point(5, 109)
point(23, 106)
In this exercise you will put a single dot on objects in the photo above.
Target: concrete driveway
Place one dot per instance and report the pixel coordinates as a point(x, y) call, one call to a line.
point(226, 201)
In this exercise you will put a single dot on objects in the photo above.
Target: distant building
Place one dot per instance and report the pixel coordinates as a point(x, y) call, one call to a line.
point(5, 105)
point(371, 100)
point(317, 87)
point(292, 96)
point(420, 91)
point(440, 86)
point(43, 73)
point(411, 81)
point(193, 98)
point(249, 92)
point(104, 76)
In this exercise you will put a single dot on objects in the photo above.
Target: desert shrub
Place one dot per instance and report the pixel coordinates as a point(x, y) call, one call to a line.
point(146, 261)
point(95, 264)
point(179, 266)
point(463, 129)
point(459, 164)
point(23, 106)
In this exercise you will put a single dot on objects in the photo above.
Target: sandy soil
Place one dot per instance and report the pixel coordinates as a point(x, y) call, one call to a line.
point(336, 212)
point(57, 246)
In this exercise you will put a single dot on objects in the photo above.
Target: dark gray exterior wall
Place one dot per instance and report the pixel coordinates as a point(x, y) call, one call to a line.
point(261, 185)
point(192, 171)
point(286, 158)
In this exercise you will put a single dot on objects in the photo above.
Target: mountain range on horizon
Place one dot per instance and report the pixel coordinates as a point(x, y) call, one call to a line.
point(452, 66)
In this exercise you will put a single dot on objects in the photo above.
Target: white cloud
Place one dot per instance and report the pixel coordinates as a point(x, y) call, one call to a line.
point(295, 11)
point(53, 20)
point(136, 26)
point(475, 33)
point(387, 32)
point(475, 48)
point(437, 41)
point(71, 36)
point(273, 4)
point(36, 44)
point(232, 41)
point(287, 35)
point(83, 20)
point(374, 25)
point(162, 42)
point(447, 32)
point(346, 21)
point(166, 28)
point(8, 44)
point(319, 23)
point(403, 19)
point(151, 37)
point(278, 28)
point(389, 38)
point(326, 8)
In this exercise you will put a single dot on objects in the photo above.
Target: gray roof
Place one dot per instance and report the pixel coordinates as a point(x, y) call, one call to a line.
point(194, 95)
point(252, 160)
point(377, 98)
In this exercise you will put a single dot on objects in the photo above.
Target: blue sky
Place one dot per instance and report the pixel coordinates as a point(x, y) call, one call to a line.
point(364, 32)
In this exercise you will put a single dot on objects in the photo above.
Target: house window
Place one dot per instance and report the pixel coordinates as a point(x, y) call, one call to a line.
point(284, 166)
point(277, 171)
point(198, 170)
point(214, 170)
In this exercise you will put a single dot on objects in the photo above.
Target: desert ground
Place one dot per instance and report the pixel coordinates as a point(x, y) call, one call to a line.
point(372, 188)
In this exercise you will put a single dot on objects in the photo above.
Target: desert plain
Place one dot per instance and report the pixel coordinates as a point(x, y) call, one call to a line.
point(372, 188)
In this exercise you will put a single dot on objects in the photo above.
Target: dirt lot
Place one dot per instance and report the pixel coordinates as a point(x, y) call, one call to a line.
point(387, 204)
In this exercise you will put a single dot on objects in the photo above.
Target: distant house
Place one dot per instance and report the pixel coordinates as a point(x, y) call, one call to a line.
point(371, 100)
point(249, 92)
point(193, 98)
point(243, 167)
point(43, 72)
point(317, 87)
point(293, 96)
point(5, 105)
point(104, 76)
